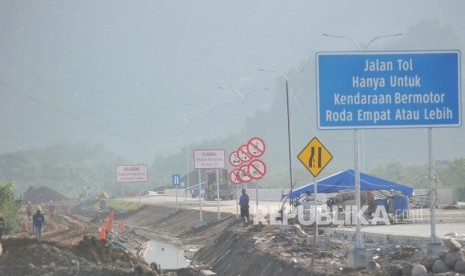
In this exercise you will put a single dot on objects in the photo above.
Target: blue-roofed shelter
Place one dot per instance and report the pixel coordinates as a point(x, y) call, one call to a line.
point(345, 180)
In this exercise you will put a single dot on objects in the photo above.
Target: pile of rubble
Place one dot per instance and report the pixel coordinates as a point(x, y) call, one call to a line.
point(450, 261)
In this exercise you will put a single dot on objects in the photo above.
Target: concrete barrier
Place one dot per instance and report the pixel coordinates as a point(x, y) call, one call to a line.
point(349, 235)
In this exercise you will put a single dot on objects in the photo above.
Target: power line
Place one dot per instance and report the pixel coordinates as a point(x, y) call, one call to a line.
point(76, 118)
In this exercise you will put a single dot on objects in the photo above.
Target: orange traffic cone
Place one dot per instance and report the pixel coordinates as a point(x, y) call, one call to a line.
point(102, 233)
point(110, 220)
point(121, 226)
point(25, 227)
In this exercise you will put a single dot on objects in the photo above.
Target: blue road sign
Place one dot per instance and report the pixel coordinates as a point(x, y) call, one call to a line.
point(176, 179)
point(388, 89)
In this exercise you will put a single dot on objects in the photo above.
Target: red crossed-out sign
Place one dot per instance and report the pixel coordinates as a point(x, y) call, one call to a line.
point(234, 159)
point(246, 165)
point(234, 176)
point(243, 153)
point(257, 169)
point(256, 147)
point(244, 173)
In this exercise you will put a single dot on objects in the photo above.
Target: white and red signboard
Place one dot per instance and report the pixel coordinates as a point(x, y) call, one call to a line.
point(209, 159)
point(131, 173)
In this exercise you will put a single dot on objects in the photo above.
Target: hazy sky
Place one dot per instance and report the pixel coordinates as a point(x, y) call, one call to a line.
point(112, 72)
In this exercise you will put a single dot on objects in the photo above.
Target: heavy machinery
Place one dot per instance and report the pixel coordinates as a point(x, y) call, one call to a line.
point(209, 185)
point(226, 191)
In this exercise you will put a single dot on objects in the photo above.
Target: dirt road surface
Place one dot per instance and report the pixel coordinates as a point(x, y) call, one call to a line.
point(225, 246)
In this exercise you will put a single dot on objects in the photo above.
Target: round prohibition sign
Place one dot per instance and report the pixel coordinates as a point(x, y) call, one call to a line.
point(234, 177)
point(257, 169)
point(234, 159)
point(256, 147)
point(243, 154)
point(244, 174)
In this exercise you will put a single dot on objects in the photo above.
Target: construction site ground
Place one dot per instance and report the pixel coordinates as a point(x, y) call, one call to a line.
point(70, 244)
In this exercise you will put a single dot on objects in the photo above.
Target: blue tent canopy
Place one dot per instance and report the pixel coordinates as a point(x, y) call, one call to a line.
point(345, 180)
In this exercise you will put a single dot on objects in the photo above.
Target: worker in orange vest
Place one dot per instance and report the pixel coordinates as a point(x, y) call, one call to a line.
point(29, 209)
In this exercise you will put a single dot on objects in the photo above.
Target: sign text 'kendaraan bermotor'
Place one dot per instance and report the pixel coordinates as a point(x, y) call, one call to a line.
point(389, 89)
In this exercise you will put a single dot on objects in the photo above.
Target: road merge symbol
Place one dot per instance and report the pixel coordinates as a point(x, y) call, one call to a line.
point(315, 156)
point(256, 147)
point(176, 179)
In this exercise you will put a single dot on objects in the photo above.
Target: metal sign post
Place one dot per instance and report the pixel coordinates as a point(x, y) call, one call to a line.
point(176, 179)
point(236, 181)
point(315, 157)
point(208, 159)
point(218, 194)
point(201, 222)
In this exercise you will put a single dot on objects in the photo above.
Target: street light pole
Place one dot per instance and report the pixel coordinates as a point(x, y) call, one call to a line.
point(288, 129)
point(244, 100)
point(187, 122)
point(358, 235)
point(209, 113)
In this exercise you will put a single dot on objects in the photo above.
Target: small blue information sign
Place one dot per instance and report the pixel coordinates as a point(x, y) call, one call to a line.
point(388, 89)
point(176, 179)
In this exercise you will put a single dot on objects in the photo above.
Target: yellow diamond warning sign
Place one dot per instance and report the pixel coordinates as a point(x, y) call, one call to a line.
point(315, 156)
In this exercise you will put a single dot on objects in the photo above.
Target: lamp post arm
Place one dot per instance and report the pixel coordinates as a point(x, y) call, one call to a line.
point(233, 90)
point(378, 37)
point(368, 44)
point(346, 38)
point(253, 91)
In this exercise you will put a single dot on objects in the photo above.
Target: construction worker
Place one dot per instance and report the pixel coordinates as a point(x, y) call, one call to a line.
point(244, 203)
point(38, 221)
point(51, 208)
point(2, 225)
point(29, 209)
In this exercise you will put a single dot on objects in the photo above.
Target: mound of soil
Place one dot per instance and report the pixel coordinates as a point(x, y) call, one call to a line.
point(41, 195)
point(89, 257)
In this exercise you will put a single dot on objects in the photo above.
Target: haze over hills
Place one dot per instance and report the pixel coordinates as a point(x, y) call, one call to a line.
point(112, 73)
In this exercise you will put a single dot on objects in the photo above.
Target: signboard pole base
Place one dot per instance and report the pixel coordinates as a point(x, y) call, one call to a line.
point(218, 194)
point(201, 222)
point(432, 178)
point(237, 203)
point(176, 198)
